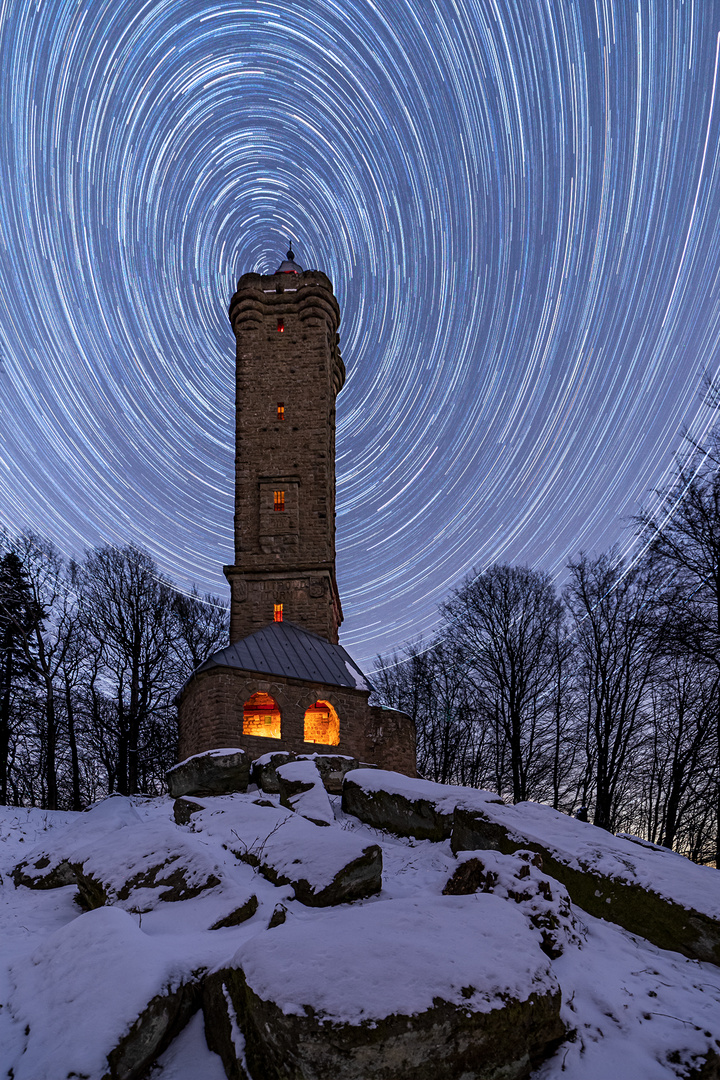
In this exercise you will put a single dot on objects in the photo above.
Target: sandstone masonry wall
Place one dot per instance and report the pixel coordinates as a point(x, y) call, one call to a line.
point(211, 707)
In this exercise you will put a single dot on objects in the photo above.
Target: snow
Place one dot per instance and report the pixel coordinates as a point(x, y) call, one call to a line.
point(226, 751)
point(434, 948)
point(356, 676)
point(78, 980)
point(584, 846)
point(313, 802)
point(444, 796)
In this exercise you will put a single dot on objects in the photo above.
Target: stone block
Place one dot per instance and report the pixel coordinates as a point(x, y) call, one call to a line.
point(455, 988)
point(216, 772)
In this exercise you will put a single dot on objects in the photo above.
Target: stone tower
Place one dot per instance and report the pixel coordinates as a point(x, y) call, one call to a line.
point(284, 684)
point(289, 372)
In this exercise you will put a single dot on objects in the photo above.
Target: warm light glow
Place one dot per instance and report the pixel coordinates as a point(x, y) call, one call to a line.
point(281, 326)
point(279, 500)
point(322, 724)
point(261, 716)
point(277, 612)
point(281, 411)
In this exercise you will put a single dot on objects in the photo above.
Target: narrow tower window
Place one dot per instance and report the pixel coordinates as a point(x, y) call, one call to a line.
point(281, 410)
point(322, 724)
point(277, 612)
point(261, 716)
point(281, 326)
point(279, 500)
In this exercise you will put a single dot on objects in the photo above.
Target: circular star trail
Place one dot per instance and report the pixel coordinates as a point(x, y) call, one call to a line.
point(516, 202)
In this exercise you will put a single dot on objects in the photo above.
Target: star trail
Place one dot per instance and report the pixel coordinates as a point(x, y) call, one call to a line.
point(517, 204)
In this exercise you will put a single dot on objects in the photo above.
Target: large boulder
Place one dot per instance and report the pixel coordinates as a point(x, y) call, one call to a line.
point(145, 863)
point(215, 772)
point(657, 894)
point(48, 865)
point(324, 866)
point(405, 989)
point(99, 998)
point(401, 805)
point(302, 790)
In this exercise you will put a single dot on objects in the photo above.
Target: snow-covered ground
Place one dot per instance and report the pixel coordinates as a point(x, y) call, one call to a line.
point(72, 982)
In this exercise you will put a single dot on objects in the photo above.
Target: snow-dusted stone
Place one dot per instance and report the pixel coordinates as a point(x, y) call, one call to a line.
point(659, 895)
point(216, 772)
point(240, 913)
point(401, 805)
point(47, 866)
point(332, 769)
point(263, 770)
point(545, 902)
point(302, 790)
point(144, 864)
point(324, 866)
point(449, 987)
point(99, 998)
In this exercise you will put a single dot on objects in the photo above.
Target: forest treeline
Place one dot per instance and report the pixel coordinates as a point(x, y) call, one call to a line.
point(604, 695)
point(92, 654)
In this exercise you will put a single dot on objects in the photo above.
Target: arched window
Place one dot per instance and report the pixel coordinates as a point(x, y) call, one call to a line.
point(322, 724)
point(261, 716)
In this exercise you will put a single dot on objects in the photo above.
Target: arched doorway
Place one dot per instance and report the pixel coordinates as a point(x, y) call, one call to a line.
point(322, 724)
point(261, 716)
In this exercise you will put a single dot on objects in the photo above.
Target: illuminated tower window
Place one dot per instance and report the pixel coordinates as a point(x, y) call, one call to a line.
point(279, 500)
point(322, 724)
point(277, 612)
point(281, 326)
point(261, 716)
point(281, 411)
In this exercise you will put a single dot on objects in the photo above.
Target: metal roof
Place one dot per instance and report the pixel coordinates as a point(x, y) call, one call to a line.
point(282, 648)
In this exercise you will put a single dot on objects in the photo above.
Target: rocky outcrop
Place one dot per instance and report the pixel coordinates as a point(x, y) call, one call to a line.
point(297, 1021)
point(605, 875)
point(321, 872)
point(126, 999)
point(153, 862)
point(400, 805)
point(302, 790)
point(216, 772)
point(519, 878)
point(48, 866)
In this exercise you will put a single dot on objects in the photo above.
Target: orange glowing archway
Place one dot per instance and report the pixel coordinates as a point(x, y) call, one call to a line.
point(261, 716)
point(322, 724)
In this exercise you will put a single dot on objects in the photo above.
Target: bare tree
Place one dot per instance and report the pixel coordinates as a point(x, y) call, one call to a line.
point(618, 645)
point(127, 614)
point(508, 622)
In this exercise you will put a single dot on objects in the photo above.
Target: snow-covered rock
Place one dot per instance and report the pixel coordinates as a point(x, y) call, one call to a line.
point(152, 862)
point(435, 965)
point(302, 790)
point(324, 866)
point(47, 866)
point(450, 987)
point(97, 998)
point(215, 772)
point(401, 804)
point(664, 897)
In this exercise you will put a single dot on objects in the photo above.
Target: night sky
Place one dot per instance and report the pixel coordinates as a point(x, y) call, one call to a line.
point(517, 203)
